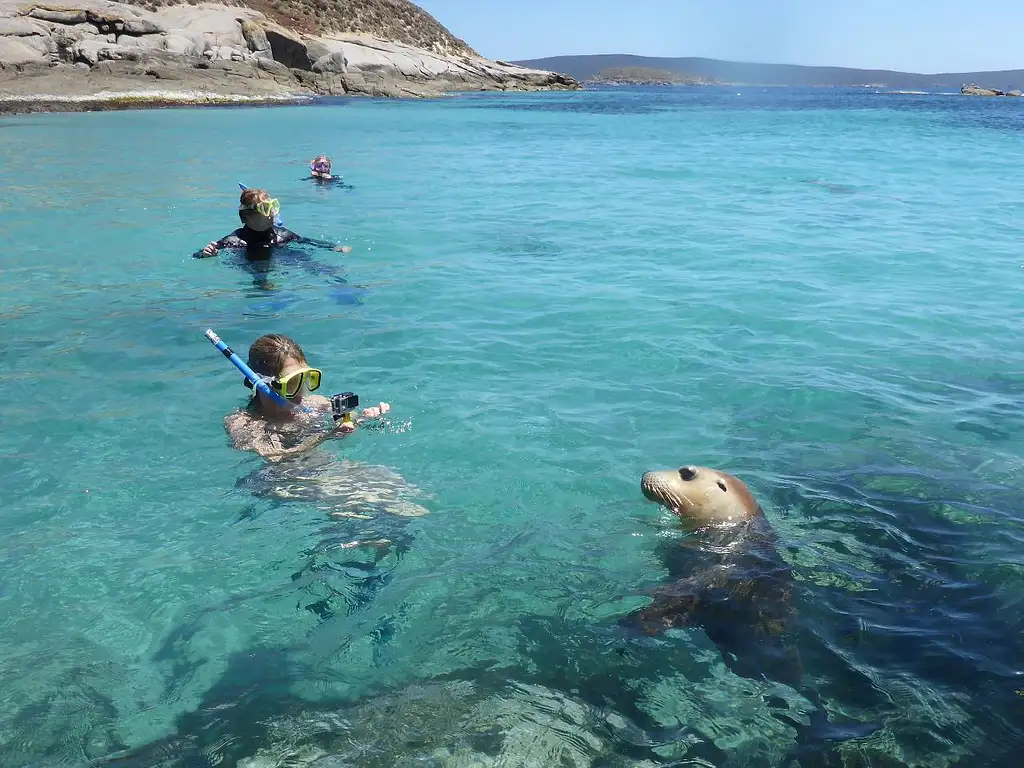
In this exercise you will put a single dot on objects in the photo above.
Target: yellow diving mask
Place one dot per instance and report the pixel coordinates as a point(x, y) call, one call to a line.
point(290, 385)
point(268, 208)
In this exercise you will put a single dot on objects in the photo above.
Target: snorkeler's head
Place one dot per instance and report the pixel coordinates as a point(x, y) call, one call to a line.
point(320, 164)
point(257, 209)
point(281, 362)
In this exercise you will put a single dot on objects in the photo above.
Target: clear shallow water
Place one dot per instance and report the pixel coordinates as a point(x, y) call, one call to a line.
point(556, 293)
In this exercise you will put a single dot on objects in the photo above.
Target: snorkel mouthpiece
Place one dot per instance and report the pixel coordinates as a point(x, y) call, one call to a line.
point(250, 375)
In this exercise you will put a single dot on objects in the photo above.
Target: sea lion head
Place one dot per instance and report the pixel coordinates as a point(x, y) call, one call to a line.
point(700, 496)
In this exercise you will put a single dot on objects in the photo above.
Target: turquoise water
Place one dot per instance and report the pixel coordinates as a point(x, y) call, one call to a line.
point(556, 293)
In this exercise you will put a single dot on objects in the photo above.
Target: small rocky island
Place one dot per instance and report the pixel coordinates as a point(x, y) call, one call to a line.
point(973, 90)
point(645, 76)
point(96, 54)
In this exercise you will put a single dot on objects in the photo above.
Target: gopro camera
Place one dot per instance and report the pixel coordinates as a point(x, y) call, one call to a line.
point(343, 404)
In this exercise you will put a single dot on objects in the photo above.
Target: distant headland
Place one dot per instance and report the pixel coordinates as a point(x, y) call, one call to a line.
point(587, 68)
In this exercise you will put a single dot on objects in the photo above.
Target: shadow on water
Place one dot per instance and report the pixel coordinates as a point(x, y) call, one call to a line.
point(261, 264)
point(369, 510)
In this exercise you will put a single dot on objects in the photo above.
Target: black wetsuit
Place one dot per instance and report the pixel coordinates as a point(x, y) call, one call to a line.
point(258, 247)
point(329, 181)
point(243, 237)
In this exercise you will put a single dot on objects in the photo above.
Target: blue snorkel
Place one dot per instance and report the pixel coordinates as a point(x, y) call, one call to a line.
point(251, 375)
point(278, 221)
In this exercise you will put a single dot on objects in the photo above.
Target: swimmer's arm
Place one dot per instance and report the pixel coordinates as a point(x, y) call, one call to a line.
point(318, 243)
point(228, 241)
point(249, 434)
point(269, 446)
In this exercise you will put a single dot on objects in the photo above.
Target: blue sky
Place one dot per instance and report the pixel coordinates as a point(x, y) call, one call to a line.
point(907, 35)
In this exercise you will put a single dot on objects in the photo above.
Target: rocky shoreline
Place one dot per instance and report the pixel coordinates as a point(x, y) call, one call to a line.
point(94, 54)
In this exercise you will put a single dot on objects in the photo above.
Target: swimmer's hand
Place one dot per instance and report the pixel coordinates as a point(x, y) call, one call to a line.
point(210, 250)
point(376, 411)
point(344, 249)
point(345, 427)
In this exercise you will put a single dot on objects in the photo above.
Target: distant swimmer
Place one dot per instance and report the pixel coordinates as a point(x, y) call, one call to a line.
point(320, 169)
point(257, 211)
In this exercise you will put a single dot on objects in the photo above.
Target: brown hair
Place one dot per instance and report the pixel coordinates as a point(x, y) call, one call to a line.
point(322, 158)
point(269, 353)
point(251, 196)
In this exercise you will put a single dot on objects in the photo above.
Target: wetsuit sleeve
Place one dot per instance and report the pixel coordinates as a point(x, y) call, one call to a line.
point(282, 236)
point(312, 241)
point(228, 241)
point(233, 240)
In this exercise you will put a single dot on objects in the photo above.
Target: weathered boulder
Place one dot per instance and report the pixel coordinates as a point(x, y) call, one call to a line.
point(61, 16)
point(22, 28)
point(317, 49)
point(256, 39)
point(94, 51)
point(142, 43)
point(104, 21)
point(14, 51)
point(143, 27)
point(81, 30)
point(332, 63)
point(218, 25)
point(275, 68)
point(222, 53)
point(184, 44)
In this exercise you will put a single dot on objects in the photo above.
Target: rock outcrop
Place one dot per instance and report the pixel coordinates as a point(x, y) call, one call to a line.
point(92, 51)
point(973, 90)
point(646, 76)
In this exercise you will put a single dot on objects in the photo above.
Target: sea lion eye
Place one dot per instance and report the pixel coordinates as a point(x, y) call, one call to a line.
point(722, 486)
point(687, 473)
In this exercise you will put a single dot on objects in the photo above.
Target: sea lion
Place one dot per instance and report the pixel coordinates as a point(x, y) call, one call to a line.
point(730, 580)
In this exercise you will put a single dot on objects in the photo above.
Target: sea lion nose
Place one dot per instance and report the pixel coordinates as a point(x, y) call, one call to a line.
point(687, 473)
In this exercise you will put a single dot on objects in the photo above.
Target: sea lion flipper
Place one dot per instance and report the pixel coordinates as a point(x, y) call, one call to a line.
point(673, 606)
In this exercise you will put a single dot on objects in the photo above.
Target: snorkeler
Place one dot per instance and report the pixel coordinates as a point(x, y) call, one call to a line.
point(257, 211)
point(320, 168)
point(274, 430)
